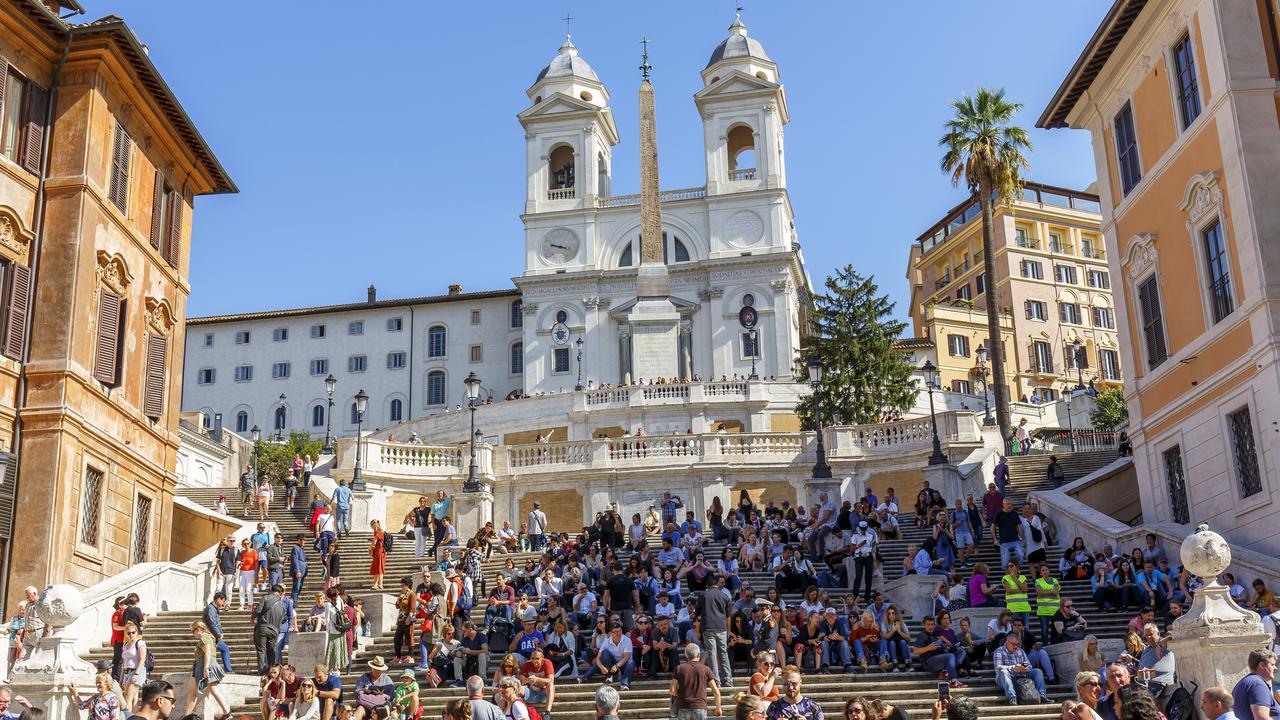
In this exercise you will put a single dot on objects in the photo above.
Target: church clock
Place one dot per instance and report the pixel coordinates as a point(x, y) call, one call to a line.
point(559, 246)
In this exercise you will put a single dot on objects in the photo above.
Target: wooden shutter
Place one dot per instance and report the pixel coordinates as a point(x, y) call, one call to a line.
point(153, 395)
point(8, 478)
point(157, 212)
point(173, 239)
point(119, 190)
point(37, 108)
point(18, 301)
point(105, 362)
point(4, 78)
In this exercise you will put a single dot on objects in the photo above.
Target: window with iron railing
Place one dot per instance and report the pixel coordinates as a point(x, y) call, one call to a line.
point(1219, 277)
point(1176, 484)
point(1245, 452)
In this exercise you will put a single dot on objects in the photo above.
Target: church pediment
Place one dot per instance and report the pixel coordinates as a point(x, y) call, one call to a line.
point(734, 82)
point(558, 104)
point(684, 307)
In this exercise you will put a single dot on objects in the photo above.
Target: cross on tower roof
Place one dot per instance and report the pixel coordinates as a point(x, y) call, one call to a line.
point(645, 67)
point(567, 19)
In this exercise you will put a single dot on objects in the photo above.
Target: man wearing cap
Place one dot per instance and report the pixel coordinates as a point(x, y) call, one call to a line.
point(373, 690)
point(536, 522)
point(863, 547)
point(527, 640)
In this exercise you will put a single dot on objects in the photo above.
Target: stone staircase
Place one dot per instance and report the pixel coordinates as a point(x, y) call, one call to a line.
point(169, 637)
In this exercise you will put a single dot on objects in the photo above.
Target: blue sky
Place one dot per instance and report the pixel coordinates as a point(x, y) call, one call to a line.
point(378, 142)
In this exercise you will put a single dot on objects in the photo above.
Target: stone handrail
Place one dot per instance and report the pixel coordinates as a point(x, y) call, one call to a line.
point(720, 389)
point(412, 461)
point(762, 443)
point(903, 435)
point(576, 452)
point(664, 196)
point(665, 392)
point(413, 454)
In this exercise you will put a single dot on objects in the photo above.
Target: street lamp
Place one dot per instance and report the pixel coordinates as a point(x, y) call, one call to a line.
point(821, 470)
point(329, 384)
point(257, 435)
point(472, 384)
point(987, 420)
point(1080, 357)
point(755, 350)
point(931, 381)
point(578, 343)
point(362, 401)
point(280, 423)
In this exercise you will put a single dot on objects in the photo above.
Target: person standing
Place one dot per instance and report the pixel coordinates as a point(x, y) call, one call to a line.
point(422, 525)
point(226, 567)
point(267, 618)
point(1000, 476)
point(537, 523)
point(212, 618)
point(716, 608)
point(205, 671)
point(342, 508)
point(297, 567)
point(248, 489)
point(689, 684)
point(290, 491)
point(1007, 533)
point(327, 529)
point(1033, 535)
point(863, 542)
point(248, 571)
point(117, 636)
point(276, 554)
point(1016, 600)
point(441, 508)
point(1054, 472)
point(378, 555)
point(308, 464)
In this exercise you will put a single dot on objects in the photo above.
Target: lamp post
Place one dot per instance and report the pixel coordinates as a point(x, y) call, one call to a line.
point(329, 383)
point(987, 420)
point(1080, 357)
point(472, 384)
point(362, 401)
point(578, 343)
point(821, 470)
point(755, 350)
point(257, 435)
point(1071, 421)
point(280, 425)
point(930, 381)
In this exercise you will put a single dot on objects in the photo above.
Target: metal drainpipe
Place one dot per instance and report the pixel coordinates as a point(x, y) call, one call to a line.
point(412, 339)
point(38, 230)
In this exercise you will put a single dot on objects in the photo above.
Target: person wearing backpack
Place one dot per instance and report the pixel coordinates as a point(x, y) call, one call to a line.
point(378, 553)
point(510, 700)
point(133, 658)
point(1033, 537)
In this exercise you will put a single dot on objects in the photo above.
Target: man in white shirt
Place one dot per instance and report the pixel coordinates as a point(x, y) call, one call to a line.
point(584, 606)
point(1271, 621)
point(614, 657)
point(1033, 548)
point(863, 546)
point(509, 538)
point(537, 524)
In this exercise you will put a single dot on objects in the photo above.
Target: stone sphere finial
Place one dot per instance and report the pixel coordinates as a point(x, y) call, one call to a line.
point(1205, 553)
point(59, 605)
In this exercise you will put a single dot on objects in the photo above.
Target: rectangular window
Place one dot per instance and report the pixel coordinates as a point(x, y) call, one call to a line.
point(980, 283)
point(1245, 452)
point(395, 324)
point(961, 386)
point(395, 360)
point(1066, 274)
point(1215, 257)
point(142, 530)
point(435, 388)
point(1069, 313)
point(1042, 356)
point(1056, 244)
point(517, 314)
point(1075, 356)
point(1184, 66)
point(317, 331)
point(280, 335)
point(1032, 269)
point(750, 345)
point(156, 374)
point(962, 292)
point(475, 353)
point(1099, 279)
point(320, 367)
point(208, 339)
point(355, 327)
point(1103, 318)
point(242, 337)
point(357, 363)
point(14, 93)
point(121, 153)
point(1176, 484)
point(1127, 150)
point(1037, 310)
point(166, 220)
point(1109, 361)
point(958, 345)
point(280, 370)
point(1048, 394)
point(517, 359)
point(91, 506)
point(206, 376)
point(244, 373)
point(1152, 322)
point(560, 360)
point(475, 317)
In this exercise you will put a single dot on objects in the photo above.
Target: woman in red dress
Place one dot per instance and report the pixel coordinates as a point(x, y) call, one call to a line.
point(377, 551)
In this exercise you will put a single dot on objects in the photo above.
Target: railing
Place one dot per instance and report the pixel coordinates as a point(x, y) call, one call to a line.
point(666, 196)
point(655, 446)
point(666, 392)
point(562, 453)
point(942, 282)
point(761, 443)
point(1061, 441)
point(725, 388)
point(1095, 253)
point(606, 397)
point(916, 434)
point(411, 460)
point(561, 193)
point(743, 174)
point(897, 434)
point(414, 455)
point(1061, 248)
point(1029, 243)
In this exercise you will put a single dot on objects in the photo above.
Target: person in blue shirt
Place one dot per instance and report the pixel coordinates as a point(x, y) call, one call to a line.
point(527, 640)
point(342, 508)
point(441, 508)
point(690, 520)
point(297, 567)
point(1154, 585)
point(1252, 695)
point(259, 542)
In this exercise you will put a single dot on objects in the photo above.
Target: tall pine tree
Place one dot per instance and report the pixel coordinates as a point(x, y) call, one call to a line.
point(853, 330)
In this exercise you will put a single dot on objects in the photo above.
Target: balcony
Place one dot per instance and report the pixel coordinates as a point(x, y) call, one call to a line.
point(664, 196)
point(743, 174)
point(1061, 248)
point(1093, 253)
point(942, 282)
point(1028, 243)
point(561, 193)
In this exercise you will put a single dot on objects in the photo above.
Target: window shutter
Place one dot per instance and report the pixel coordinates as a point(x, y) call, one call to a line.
point(4, 78)
point(173, 240)
point(1026, 306)
point(104, 365)
point(157, 212)
point(153, 395)
point(19, 299)
point(37, 108)
point(119, 190)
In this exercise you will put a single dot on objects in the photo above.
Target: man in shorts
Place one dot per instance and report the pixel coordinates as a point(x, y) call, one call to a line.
point(964, 532)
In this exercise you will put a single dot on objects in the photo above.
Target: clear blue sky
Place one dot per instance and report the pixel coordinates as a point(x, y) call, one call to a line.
point(378, 142)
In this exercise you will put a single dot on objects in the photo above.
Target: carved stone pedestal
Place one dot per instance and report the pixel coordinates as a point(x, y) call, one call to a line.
point(471, 511)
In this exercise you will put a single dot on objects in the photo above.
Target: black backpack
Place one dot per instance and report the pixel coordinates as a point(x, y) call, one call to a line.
point(1182, 704)
point(388, 541)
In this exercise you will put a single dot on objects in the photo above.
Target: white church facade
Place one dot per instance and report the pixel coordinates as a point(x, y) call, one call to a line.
point(728, 244)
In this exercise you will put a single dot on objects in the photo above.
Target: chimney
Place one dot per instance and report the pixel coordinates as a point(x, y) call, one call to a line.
point(455, 289)
point(373, 294)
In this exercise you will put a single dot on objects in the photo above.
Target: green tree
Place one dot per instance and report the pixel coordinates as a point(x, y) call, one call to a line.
point(853, 330)
point(1109, 412)
point(987, 152)
point(275, 460)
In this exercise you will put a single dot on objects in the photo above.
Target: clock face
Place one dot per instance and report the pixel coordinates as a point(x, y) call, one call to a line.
point(559, 246)
point(560, 334)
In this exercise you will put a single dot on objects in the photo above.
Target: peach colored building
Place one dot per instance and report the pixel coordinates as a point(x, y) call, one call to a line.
point(1181, 99)
point(99, 166)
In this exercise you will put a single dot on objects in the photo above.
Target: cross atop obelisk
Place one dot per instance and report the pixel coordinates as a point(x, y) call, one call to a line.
point(652, 281)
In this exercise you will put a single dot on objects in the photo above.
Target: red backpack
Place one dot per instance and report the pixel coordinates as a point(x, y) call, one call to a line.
point(533, 711)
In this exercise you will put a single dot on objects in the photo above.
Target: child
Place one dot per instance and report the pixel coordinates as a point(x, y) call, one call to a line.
point(222, 504)
point(102, 706)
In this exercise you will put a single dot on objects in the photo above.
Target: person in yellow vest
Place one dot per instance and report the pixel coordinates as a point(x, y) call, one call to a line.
point(1048, 600)
point(1016, 600)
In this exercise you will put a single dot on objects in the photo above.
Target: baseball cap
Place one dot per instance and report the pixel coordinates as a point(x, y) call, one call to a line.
point(862, 524)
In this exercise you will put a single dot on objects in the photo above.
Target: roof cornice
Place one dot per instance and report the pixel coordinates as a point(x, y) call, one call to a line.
point(1096, 53)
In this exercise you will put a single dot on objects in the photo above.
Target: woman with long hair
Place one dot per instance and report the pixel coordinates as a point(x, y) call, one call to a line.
point(1125, 584)
point(809, 640)
point(635, 533)
point(727, 566)
point(944, 540)
point(509, 667)
point(441, 655)
point(715, 520)
point(894, 631)
point(271, 688)
point(206, 673)
point(922, 509)
point(1134, 702)
point(975, 646)
point(133, 658)
point(378, 555)
point(306, 706)
point(1090, 656)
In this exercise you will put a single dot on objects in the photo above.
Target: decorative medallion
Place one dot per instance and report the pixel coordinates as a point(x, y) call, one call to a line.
point(160, 317)
point(743, 229)
point(559, 246)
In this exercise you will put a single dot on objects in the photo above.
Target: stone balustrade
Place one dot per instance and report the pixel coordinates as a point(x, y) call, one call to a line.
point(412, 461)
point(854, 441)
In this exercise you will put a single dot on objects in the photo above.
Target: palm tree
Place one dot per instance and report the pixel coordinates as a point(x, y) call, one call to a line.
point(984, 149)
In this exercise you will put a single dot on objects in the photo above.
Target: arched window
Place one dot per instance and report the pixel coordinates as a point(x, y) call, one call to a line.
point(395, 411)
point(242, 422)
point(742, 153)
point(625, 260)
point(517, 358)
point(671, 246)
point(681, 252)
point(317, 416)
point(436, 345)
point(560, 166)
point(281, 416)
point(517, 313)
point(435, 387)
point(355, 414)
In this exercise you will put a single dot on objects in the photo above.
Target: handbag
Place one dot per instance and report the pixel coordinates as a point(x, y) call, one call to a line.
point(432, 677)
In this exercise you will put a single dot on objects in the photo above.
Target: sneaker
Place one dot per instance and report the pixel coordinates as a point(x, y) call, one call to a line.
point(862, 664)
point(459, 683)
point(1012, 700)
point(884, 665)
point(1046, 700)
point(624, 687)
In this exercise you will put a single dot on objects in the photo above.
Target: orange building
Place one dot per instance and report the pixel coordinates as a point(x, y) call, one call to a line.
point(1181, 99)
point(99, 166)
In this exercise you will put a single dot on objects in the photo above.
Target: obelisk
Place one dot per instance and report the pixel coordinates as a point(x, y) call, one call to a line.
point(654, 320)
